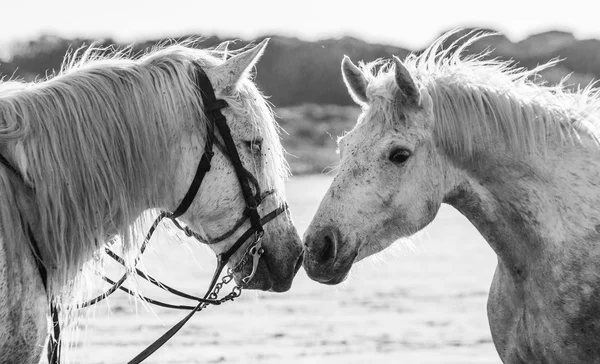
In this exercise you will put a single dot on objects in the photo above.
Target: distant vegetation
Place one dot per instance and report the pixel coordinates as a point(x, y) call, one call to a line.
point(311, 132)
point(304, 82)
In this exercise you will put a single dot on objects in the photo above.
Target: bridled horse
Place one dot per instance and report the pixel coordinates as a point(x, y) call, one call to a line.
point(86, 154)
point(520, 160)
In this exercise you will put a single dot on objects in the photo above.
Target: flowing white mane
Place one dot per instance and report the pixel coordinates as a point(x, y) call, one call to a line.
point(92, 139)
point(466, 91)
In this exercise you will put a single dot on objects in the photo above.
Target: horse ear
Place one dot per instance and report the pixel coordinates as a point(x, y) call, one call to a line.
point(355, 81)
point(406, 83)
point(223, 48)
point(229, 73)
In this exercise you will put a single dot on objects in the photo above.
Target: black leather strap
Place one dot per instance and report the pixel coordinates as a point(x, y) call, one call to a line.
point(222, 261)
point(224, 257)
point(251, 201)
point(123, 278)
point(54, 347)
point(203, 168)
point(158, 343)
point(157, 302)
point(152, 280)
point(214, 107)
point(10, 167)
point(164, 338)
point(54, 344)
point(38, 258)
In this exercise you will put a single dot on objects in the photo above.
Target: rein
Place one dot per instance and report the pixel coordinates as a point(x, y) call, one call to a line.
point(212, 108)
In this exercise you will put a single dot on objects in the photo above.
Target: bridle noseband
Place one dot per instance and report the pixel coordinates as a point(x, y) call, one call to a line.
point(216, 119)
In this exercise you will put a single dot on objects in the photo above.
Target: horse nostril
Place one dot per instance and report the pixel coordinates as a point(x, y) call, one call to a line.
point(329, 248)
point(321, 246)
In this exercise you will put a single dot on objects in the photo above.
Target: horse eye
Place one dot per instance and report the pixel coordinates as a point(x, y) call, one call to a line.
point(399, 155)
point(254, 145)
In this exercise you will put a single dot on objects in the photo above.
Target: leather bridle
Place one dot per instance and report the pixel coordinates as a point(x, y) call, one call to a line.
point(212, 108)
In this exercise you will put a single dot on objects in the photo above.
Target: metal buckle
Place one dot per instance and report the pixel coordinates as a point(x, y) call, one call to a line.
point(255, 251)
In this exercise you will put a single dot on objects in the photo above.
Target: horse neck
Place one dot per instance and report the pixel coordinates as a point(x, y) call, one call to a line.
point(130, 170)
point(529, 208)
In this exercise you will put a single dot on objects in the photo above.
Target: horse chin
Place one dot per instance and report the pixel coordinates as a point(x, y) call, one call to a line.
point(330, 275)
point(336, 280)
point(265, 279)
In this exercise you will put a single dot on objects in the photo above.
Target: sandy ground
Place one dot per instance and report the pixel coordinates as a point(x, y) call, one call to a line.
point(422, 306)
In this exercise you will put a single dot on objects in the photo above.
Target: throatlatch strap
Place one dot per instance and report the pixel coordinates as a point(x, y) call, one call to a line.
point(53, 342)
point(203, 168)
point(14, 171)
point(10, 167)
point(211, 106)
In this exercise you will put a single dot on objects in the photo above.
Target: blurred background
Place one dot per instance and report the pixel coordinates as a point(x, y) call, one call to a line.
point(418, 302)
point(300, 69)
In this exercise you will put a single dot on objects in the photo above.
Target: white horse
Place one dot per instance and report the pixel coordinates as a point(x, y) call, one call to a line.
point(109, 138)
point(520, 160)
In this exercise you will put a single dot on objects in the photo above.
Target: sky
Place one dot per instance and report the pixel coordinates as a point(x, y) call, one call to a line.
point(412, 24)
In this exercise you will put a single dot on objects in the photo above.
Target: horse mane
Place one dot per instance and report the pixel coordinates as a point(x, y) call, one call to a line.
point(91, 139)
point(468, 90)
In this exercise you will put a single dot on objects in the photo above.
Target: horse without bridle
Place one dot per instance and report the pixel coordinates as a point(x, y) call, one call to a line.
point(89, 154)
point(519, 159)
